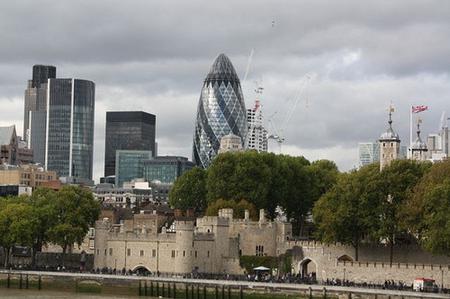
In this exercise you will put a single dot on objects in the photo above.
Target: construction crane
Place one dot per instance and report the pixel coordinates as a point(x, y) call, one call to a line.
point(278, 134)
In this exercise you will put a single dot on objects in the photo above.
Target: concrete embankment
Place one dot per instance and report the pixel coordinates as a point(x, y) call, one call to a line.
point(190, 288)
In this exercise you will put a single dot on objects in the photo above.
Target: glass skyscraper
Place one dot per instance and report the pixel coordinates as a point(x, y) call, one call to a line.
point(130, 165)
point(166, 169)
point(35, 101)
point(221, 111)
point(368, 153)
point(128, 130)
point(69, 140)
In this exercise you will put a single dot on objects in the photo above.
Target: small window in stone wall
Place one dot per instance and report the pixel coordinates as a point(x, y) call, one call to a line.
point(173, 253)
point(141, 253)
point(184, 253)
point(98, 251)
point(196, 254)
point(105, 251)
point(154, 252)
point(208, 253)
point(128, 251)
point(110, 251)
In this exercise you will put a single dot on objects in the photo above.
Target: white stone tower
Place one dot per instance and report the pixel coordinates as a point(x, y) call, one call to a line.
point(419, 148)
point(389, 144)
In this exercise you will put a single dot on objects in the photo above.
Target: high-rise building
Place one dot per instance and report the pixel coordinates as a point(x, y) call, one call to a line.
point(35, 97)
point(389, 144)
point(130, 165)
point(257, 134)
point(221, 111)
point(69, 129)
point(128, 130)
point(166, 169)
point(368, 153)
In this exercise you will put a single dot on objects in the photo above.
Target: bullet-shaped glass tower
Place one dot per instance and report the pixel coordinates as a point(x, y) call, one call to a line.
point(221, 111)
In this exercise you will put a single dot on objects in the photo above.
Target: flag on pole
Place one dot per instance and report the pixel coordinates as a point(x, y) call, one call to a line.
point(418, 109)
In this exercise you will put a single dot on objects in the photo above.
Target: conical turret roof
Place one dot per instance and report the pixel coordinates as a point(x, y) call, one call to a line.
point(222, 69)
point(418, 143)
point(390, 134)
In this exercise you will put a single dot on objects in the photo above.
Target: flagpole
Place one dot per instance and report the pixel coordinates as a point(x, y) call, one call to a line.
point(410, 130)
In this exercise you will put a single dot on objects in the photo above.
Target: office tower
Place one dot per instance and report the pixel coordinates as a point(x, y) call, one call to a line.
point(166, 169)
point(257, 134)
point(128, 130)
point(368, 153)
point(35, 99)
point(389, 144)
point(69, 129)
point(221, 111)
point(130, 165)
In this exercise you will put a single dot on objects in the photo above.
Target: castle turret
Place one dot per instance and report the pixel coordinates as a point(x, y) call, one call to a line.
point(184, 246)
point(389, 144)
point(418, 148)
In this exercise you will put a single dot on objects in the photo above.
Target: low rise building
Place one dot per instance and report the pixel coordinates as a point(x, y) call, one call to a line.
point(166, 169)
point(14, 190)
point(210, 244)
point(12, 150)
point(26, 175)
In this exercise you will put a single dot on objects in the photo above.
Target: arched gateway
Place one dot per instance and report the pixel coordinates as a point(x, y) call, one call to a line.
point(308, 268)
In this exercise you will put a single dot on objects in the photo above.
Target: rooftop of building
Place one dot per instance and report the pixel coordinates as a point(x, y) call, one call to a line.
point(6, 134)
point(390, 134)
point(130, 116)
point(222, 70)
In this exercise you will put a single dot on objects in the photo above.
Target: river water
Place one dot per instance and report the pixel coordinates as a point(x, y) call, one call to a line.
point(33, 294)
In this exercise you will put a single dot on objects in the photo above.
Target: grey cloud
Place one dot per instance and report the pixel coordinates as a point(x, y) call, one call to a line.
point(153, 56)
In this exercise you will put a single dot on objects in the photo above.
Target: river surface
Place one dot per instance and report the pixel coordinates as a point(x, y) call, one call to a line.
point(33, 294)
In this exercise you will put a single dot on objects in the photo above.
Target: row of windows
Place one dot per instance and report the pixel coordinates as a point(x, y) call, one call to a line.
point(142, 252)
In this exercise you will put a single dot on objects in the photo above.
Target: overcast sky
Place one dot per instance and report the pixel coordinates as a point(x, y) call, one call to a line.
point(154, 55)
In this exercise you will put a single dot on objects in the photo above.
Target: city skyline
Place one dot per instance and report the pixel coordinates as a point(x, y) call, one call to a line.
point(136, 66)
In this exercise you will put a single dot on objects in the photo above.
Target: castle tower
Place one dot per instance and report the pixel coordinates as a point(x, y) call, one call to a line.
point(389, 144)
point(419, 148)
point(184, 246)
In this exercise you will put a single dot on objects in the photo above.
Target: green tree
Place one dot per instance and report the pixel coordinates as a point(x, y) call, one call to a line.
point(16, 226)
point(238, 208)
point(324, 175)
point(425, 212)
point(436, 219)
point(76, 211)
point(44, 216)
point(413, 213)
point(347, 213)
point(297, 201)
point(189, 191)
point(396, 184)
point(237, 176)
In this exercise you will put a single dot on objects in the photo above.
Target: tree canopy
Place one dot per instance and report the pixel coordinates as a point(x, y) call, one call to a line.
point(265, 180)
point(189, 191)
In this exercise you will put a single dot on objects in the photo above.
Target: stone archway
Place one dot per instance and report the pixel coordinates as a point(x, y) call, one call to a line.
point(141, 270)
point(345, 258)
point(308, 269)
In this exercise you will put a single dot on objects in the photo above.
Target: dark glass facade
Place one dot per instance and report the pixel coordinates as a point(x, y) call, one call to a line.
point(130, 165)
point(166, 169)
point(41, 73)
point(36, 95)
point(70, 127)
point(221, 111)
point(128, 130)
